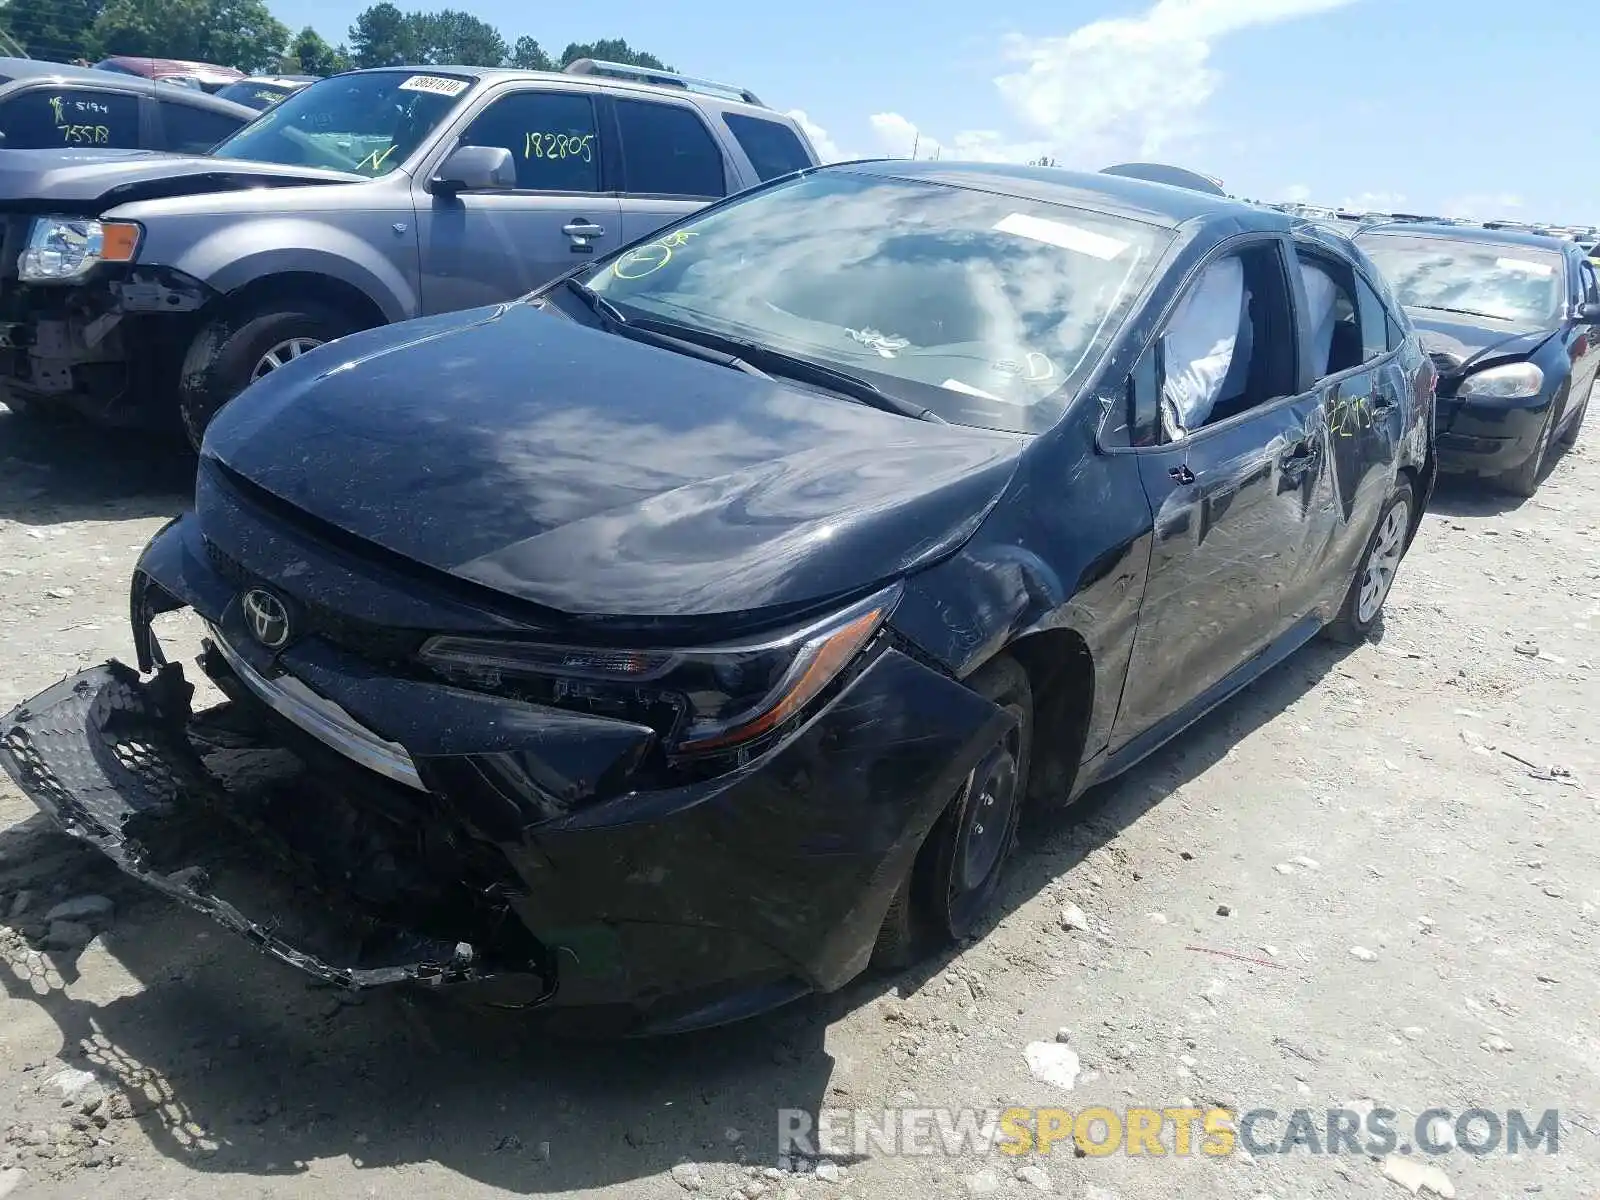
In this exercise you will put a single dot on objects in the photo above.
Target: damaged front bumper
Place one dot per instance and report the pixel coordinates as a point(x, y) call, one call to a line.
point(118, 763)
point(432, 835)
point(107, 348)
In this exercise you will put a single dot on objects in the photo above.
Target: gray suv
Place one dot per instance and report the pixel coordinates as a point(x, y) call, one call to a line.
point(141, 289)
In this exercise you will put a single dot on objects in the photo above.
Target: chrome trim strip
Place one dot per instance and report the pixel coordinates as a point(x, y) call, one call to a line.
point(323, 719)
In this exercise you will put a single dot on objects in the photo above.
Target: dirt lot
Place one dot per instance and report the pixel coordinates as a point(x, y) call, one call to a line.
point(1403, 838)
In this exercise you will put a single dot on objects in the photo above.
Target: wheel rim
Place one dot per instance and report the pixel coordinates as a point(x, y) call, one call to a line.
point(986, 821)
point(285, 351)
point(1383, 561)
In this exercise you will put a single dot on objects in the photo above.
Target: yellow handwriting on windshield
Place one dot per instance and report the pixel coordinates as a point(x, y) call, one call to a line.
point(374, 161)
point(558, 145)
point(652, 256)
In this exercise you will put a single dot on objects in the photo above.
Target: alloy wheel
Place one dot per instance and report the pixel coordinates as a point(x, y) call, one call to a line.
point(1383, 561)
point(285, 351)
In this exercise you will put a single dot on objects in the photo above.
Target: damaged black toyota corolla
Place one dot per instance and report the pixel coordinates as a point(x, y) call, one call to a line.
point(681, 639)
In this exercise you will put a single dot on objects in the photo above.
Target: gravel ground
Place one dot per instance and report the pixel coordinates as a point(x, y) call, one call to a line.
point(1400, 841)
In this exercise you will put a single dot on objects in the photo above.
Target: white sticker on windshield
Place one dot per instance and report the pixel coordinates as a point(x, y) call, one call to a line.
point(439, 85)
point(1524, 265)
point(1059, 233)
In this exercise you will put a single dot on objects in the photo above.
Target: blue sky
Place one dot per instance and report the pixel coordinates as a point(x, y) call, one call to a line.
point(1379, 103)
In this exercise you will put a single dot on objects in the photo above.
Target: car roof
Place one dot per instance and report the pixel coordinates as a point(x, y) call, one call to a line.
point(175, 66)
point(113, 81)
point(1471, 233)
point(609, 82)
point(1116, 195)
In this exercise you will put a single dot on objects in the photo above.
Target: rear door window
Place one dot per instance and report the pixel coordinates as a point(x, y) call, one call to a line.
point(71, 118)
point(551, 135)
point(668, 151)
point(771, 146)
point(188, 129)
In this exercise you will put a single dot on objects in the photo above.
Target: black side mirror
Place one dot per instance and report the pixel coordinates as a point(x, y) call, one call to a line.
point(1586, 313)
point(476, 169)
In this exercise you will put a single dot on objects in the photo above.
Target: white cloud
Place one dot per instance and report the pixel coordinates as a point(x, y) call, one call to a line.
point(827, 149)
point(1113, 89)
point(1373, 202)
point(1482, 205)
point(1297, 193)
point(1132, 85)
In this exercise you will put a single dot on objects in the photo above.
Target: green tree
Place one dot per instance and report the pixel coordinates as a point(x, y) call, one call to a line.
point(452, 36)
point(309, 54)
point(382, 37)
point(234, 33)
point(57, 30)
point(530, 56)
point(612, 50)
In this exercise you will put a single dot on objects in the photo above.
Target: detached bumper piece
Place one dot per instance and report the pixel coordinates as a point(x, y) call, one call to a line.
point(123, 764)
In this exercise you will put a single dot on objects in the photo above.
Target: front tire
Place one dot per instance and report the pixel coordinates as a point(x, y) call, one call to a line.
point(1569, 436)
point(957, 873)
point(1524, 480)
point(1380, 562)
point(241, 346)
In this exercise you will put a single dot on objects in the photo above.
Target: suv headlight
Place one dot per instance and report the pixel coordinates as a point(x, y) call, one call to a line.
point(63, 248)
point(1514, 381)
point(721, 697)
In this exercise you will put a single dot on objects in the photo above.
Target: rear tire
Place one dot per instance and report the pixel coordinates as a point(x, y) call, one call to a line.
point(957, 873)
point(240, 346)
point(1380, 562)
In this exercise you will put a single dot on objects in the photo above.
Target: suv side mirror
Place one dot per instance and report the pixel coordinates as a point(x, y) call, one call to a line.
point(476, 169)
point(1586, 313)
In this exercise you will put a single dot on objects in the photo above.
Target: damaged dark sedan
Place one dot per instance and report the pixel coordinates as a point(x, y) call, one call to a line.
point(689, 635)
point(1512, 321)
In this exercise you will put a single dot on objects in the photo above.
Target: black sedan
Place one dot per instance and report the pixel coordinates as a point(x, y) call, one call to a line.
point(1510, 319)
point(683, 638)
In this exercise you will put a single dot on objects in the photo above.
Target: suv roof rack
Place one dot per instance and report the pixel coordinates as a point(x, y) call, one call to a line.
point(597, 66)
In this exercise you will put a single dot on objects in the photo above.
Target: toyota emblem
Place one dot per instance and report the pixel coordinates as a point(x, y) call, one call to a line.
point(267, 617)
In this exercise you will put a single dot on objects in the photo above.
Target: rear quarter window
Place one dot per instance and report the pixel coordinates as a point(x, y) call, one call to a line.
point(771, 146)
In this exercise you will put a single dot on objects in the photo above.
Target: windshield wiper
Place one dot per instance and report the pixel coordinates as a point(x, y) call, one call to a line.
point(1466, 312)
point(612, 320)
point(802, 370)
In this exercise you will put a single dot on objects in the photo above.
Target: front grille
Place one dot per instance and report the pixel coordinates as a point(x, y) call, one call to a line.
point(379, 644)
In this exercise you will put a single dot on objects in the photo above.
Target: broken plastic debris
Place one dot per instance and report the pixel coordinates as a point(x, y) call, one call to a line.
point(1054, 1063)
point(1416, 1176)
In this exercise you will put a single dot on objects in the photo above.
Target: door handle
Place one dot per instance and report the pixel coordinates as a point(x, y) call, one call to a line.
point(1181, 474)
point(582, 229)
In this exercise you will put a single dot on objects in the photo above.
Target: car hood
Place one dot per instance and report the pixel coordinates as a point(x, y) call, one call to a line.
point(578, 470)
point(76, 180)
point(1452, 338)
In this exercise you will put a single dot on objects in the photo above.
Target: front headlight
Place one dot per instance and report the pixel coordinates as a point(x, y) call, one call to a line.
point(713, 699)
point(1514, 381)
point(63, 248)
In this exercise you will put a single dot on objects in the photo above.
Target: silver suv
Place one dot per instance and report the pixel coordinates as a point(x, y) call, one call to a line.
point(130, 281)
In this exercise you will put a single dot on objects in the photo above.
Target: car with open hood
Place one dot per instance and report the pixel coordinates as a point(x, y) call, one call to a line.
point(144, 291)
point(681, 639)
point(1512, 320)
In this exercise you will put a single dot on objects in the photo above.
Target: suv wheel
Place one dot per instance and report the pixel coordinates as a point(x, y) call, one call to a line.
point(242, 346)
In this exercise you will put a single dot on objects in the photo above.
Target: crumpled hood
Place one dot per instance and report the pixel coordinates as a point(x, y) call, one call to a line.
point(1458, 337)
point(579, 470)
point(41, 179)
